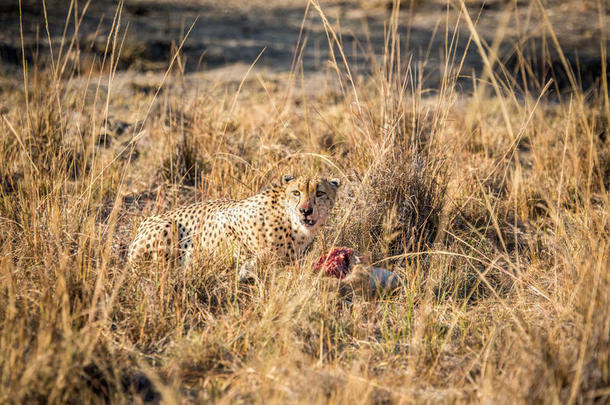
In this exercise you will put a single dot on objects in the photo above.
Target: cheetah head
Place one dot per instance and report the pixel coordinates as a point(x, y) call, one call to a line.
point(309, 200)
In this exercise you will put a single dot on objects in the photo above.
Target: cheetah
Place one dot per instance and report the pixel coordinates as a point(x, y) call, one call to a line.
point(278, 223)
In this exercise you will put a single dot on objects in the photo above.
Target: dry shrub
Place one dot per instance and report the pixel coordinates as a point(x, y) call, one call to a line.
point(184, 162)
point(395, 207)
point(185, 165)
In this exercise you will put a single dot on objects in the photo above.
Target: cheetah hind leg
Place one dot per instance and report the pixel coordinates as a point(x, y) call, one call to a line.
point(159, 240)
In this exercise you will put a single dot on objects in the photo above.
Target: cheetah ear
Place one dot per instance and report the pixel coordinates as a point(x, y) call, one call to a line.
point(287, 178)
point(335, 183)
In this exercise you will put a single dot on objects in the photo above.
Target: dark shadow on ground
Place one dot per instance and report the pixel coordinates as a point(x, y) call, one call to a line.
point(238, 33)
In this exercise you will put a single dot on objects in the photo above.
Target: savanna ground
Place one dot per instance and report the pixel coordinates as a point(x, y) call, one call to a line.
point(472, 141)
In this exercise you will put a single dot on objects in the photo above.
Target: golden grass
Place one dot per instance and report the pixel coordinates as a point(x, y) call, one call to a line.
point(493, 208)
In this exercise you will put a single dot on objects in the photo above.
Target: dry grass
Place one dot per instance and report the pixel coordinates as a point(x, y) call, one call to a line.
point(492, 207)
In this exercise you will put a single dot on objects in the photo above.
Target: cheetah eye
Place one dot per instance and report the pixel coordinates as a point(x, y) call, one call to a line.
point(296, 193)
point(320, 194)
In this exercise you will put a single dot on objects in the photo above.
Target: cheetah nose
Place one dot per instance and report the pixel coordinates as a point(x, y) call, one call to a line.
point(306, 211)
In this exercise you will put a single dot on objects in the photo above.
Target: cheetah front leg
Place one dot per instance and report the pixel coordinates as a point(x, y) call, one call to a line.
point(185, 251)
point(246, 271)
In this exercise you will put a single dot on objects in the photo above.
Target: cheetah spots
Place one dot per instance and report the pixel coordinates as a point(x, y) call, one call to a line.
point(259, 223)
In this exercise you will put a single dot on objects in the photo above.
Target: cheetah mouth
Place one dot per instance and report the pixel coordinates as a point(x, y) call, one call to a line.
point(308, 222)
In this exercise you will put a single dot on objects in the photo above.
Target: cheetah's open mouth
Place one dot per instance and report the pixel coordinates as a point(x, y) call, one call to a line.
point(308, 222)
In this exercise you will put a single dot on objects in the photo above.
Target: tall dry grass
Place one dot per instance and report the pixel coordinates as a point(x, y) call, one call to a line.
point(492, 207)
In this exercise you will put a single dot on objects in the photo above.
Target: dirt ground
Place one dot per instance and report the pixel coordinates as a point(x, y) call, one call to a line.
point(225, 39)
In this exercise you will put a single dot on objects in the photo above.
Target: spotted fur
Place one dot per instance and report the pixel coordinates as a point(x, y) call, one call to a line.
point(281, 222)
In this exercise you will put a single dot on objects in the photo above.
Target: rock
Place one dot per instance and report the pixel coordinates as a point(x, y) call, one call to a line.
point(382, 281)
